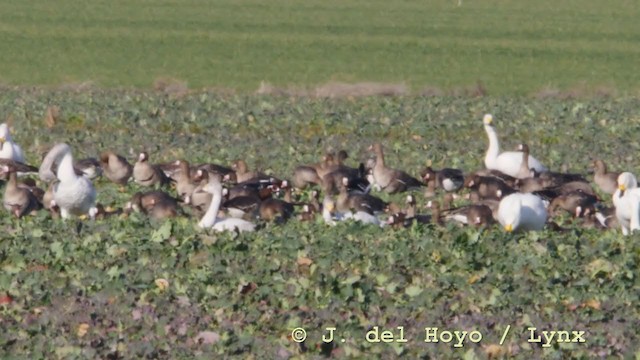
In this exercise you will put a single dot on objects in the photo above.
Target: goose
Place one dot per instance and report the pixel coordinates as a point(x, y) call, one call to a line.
point(447, 178)
point(627, 202)
point(103, 212)
point(115, 167)
point(273, 209)
point(606, 181)
point(74, 194)
point(210, 218)
point(304, 176)
point(520, 211)
point(157, 204)
point(18, 200)
point(328, 207)
point(89, 167)
point(214, 169)
point(184, 183)
point(10, 150)
point(488, 187)
point(476, 215)
point(357, 179)
point(307, 214)
point(553, 179)
point(524, 171)
point(577, 203)
point(146, 174)
point(360, 202)
point(391, 180)
point(507, 162)
point(244, 175)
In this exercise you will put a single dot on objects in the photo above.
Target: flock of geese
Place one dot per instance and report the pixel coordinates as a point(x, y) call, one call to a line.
point(515, 190)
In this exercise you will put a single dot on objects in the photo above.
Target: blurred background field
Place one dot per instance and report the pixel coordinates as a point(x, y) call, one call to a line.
point(501, 47)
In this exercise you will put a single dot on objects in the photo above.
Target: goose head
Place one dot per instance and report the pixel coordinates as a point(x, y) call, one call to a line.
point(342, 156)
point(487, 119)
point(626, 181)
point(411, 200)
point(143, 156)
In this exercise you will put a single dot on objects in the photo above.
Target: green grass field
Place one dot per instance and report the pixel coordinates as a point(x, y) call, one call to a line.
point(512, 47)
point(89, 289)
point(244, 295)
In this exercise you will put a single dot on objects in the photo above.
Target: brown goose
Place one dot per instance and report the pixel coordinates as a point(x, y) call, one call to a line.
point(359, 202)
point(275, 209)
point(357, 179)
point(577, 203)
point(102, 213)
point(146, 174)
point(244, 175)
point(184, 183)
point(488, 187)
point(18, 200)
point(476, 215)
point(391, 180)
point(447, 178)
point(156, 204)
point(304, 176)
point(89, 167)
point(115, 167)
point(606, 181)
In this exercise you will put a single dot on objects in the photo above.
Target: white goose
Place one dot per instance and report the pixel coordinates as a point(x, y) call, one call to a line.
point(627, 202)
point(520, 211)
point(328, 207)
point(507, 162)
point(210, 218)
point(74, 194)
point(9, 149)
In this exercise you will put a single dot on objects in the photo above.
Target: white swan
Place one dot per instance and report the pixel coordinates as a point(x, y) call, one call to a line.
point(10, 150)
point(627, 202)
point(507, 162)
point(210, 218)
point(328, 207)
point(520, 211)
point(74, 194)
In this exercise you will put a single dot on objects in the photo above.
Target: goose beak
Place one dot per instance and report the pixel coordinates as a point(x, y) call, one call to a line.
point(508, 228)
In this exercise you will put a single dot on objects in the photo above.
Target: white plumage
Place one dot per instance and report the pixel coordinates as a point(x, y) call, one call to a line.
point(627, 202)
point(210, 218)
point(520, 211)
point(75, 195)
point(9, 149)
point(507, 162)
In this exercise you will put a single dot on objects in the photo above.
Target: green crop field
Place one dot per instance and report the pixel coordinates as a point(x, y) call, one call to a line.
point(89, 290)
point(178, 78)
point(511, 47)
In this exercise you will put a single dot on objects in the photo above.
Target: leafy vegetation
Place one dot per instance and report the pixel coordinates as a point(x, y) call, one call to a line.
point(141, 288)
point(510, 47)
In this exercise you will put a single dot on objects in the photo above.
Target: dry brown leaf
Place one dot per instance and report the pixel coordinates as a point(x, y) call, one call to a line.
point(51, 116)
point(304, 261)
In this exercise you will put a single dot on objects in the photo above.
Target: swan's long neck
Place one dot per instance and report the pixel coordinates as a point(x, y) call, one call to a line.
point(494, 147)
point(65, 169)
point(56, 153)
point(211, 216)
